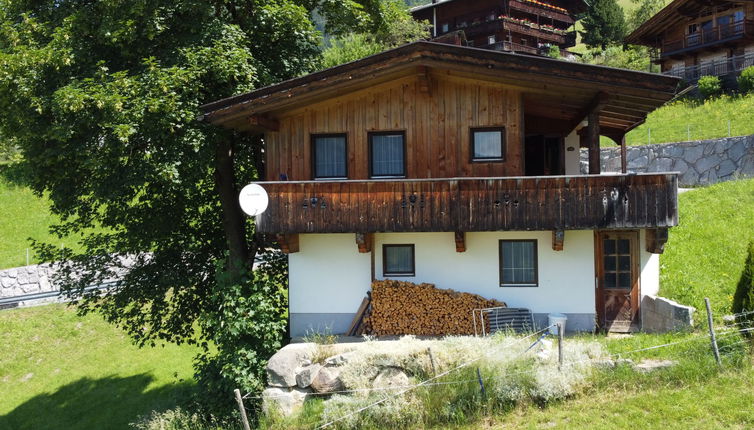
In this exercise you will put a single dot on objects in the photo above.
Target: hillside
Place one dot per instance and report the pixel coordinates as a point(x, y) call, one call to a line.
point(705, 254)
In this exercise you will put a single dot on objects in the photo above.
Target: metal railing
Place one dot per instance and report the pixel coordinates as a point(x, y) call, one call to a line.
point(730, 65)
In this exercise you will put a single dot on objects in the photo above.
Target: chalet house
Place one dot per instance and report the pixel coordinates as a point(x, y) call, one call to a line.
point(460, 167)
point(694, 38)
point(523, 26)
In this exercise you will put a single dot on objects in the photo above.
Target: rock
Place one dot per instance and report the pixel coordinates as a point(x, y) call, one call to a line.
point(285, 400)
point(339, 359)
point(305, 377)
point(23, 277)
point(327, 380)
point(650, 365)
point(725, 169)
point(707, 163)
point(737, 150)
point(6, 282)
point(33, 278)
point(13, 273)
point(390, 377)
point(284, 365)
point(638, 162)
point(44, 284)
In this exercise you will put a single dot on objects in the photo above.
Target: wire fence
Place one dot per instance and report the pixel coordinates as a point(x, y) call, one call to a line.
point(675, 132)
point(731, 336)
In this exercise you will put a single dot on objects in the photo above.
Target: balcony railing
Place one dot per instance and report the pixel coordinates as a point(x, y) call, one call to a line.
point(535, 9)
point(703, 39)
point(471, 204)
point(512, 47)
point(732, 65)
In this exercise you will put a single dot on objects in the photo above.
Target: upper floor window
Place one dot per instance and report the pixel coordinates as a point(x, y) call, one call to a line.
point(518, 263)
point(329, 156)
point(445, 27)
point(387, 152)
point(693, 28)
point(738, 16)
point(488, 144)
point(491, 40)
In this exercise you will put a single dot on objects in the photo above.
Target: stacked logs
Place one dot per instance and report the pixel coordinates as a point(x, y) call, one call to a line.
point(399, 308)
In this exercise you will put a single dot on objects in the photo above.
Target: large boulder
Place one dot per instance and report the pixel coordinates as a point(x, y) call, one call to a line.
point(327, 380)
point(305, 377)
point(286, 363)
point(390, 377)
point(284, 400)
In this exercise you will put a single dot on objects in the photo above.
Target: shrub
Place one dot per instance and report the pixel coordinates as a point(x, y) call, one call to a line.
point(179, 419)
point(746, 80)
point(743, 300)
point(709, 86)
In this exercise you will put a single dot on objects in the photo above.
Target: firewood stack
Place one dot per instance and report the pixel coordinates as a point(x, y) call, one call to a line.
point(399, 308)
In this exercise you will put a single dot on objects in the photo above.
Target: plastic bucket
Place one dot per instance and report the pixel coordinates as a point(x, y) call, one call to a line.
point(557, 319)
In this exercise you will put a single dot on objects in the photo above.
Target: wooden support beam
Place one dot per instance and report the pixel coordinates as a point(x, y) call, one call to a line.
point(265, 122)
point(656, 239)
point(364, 241)
point(288, 243)
point(593, 142)
point(558, 239)
point(460, 241)
point(623, 155)
point(422, 74)
point(595, 106)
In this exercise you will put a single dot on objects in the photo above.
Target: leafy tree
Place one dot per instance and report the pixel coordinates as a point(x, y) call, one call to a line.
point(103, 100)
point(743, 300)
point(629, 57)
point(604, 24)
point(398, 28)
point(746, 80)
point(643, 10)
point(709, 86)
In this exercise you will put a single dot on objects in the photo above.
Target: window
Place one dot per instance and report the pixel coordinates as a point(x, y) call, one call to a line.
point(491, 40)
point(488, 144)
point(398, 260)
point(693, 28)
point(387, 152)
point(518, 263)
point(329, 156)
point(445, 27)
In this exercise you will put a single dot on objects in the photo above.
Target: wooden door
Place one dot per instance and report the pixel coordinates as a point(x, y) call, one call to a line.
point(617, 264)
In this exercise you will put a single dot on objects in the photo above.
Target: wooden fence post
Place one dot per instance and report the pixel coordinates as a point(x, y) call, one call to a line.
point(242, 409)
point(713, 340)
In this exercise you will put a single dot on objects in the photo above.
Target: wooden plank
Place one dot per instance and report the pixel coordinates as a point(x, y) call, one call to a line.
point(359, 317)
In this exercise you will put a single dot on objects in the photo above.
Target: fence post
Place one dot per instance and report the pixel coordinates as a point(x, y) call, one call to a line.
point(713, 340)
point(432, 361)
point(560, 346)
point(688, 133)
point(27, 256)
point(242, 409)
point(649, 135)
point(728, 128)
point(481, 383)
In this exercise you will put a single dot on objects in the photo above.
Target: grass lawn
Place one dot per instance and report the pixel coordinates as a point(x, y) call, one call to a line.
point(692, 120)
point(62, 371)
point(705, 254)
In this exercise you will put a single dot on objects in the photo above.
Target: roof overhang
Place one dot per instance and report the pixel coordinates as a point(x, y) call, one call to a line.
point(576, 6)
point(553, 89)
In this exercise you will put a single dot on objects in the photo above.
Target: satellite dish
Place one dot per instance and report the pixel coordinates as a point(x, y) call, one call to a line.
point(253, 199)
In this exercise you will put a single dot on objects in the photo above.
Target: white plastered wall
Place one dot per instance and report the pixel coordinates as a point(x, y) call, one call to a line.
point(650, 268)
point(566, 278)
point(572, 157)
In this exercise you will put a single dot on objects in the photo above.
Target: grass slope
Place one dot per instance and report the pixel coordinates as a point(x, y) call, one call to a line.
point(705, 254)
point(691, 120)
point(62, 371)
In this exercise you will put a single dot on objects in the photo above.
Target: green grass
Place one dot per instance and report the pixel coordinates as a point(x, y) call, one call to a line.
point(692, 120)
point(62, 371)
point(705, 254)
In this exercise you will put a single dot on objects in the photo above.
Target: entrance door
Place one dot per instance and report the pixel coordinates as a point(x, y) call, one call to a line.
point(618, 280)
point(543, 156)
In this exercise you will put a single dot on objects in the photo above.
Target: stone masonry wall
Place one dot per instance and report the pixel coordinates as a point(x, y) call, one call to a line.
point(26, 280)
point(702, 162)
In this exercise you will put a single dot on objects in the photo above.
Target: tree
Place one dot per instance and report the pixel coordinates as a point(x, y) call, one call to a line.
point(743, 300)
point(103, 100)
point(643, 10)
point(604, 24)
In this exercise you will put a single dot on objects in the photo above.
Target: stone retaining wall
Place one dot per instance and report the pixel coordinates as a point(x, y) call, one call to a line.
point(661, 315)
point(702, 162)
point(26, 280)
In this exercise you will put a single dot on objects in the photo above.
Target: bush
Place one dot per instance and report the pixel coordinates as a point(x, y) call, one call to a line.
point(709, 86)
point(743, 300)
point(746, 80)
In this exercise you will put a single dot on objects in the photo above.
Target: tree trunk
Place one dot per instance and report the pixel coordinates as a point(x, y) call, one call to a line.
point(233, 219)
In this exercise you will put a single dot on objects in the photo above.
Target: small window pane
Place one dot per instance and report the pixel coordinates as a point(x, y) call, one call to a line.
point(610, 280)
point(330, 157)
point(399, 260)
point(624, 246)
point(610, 263)
point(518, 261)
point(387, 154)
point(487, 144)
point(608, 245)
point(625, 263)
point(624, 281)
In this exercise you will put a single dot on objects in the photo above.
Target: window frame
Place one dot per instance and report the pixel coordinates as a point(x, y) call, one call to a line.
point(388, 274)
point(313, 156)
point(472, 144)
point(536, 263)
point(370, 135)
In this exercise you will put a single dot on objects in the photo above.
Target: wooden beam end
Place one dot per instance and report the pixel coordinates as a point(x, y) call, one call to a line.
point(460, 238)
point(558, 240)
point(288, 243)
point(364, 241)
point(656, 239)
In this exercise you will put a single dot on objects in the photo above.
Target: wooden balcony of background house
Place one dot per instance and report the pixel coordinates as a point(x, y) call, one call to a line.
point(474, 23)
point(512, 47)
point(709, 38)
point(731, 65)
point(540, 9)
point(471, 204)
point(528, 30)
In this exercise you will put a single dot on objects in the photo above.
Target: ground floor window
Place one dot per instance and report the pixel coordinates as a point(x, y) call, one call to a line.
point(518, 263)
point(398, 260)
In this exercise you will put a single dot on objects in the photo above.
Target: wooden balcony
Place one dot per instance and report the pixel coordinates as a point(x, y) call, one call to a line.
point(472, 204)
point(710, 38)
point(538, 10)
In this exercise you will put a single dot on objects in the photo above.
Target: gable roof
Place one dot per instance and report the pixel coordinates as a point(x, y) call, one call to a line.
point(675, 12)
point(551, 88)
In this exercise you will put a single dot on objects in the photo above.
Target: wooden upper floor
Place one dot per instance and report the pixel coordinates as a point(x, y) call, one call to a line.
point(511, 25)
point(684, 28)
